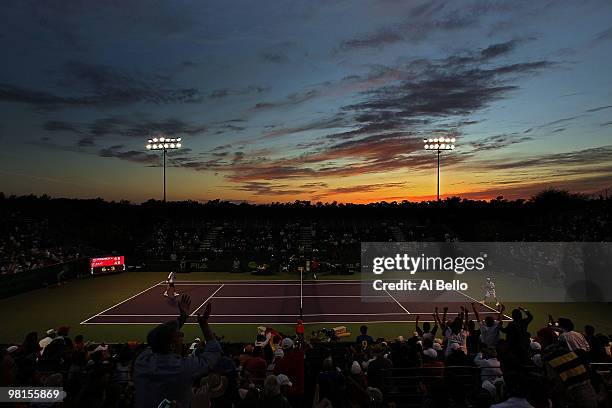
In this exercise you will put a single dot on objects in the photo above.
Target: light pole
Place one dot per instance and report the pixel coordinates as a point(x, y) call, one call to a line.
point(438, 144)
point(164, 144)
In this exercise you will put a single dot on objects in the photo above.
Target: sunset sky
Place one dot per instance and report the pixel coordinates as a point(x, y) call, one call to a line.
point(311, 100)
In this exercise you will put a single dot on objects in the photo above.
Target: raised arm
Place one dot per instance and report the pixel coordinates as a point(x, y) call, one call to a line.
point(184, 307)
point(417, 328)
point(476, 312)
point(444, 321)
point(529, 317)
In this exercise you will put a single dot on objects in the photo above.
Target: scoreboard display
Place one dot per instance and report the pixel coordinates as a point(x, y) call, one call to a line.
point(108, 264)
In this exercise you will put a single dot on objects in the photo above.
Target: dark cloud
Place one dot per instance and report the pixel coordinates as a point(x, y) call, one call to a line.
point(444, 92)
point(99, 85)
point(495, 50)
point(224, 93)
point(423, 97)
point(274, 57)
point(264, 188)
point(86, 141)
point(60, 126)
point(412, 29)
point(498, 142)
point(135, 127)
point(375, 40)
point(362, 188)
point(604, 35)
point(135, 156)
point(290, 101)
point(599, 108)
point(556, 161)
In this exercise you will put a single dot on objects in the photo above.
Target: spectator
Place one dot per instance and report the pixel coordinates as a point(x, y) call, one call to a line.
point(490, 327)
point(517, 391)
point(51, 334)
point(573, 339)
point(364, 339)
point(517, 337)
point(292, 365)
point(490, 368)
point(331, 383)
point(255, 367)
point(273, 398)
point(161, 372)
point(377, 368)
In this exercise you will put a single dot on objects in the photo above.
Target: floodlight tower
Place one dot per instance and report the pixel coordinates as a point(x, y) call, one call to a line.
point(164, 144)
point(438, 144)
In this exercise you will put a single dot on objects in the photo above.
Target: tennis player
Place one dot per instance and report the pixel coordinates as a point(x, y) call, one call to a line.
point(170, 284)
point(489, 288)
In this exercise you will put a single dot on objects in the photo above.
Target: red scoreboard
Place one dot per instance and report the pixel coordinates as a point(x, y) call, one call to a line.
point(107, 264)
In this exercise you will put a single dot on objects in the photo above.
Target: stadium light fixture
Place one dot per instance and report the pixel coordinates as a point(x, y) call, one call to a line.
point(164, 144)
point(438, 144)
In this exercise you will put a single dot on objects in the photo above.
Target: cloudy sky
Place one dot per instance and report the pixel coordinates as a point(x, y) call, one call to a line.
point(317, 100)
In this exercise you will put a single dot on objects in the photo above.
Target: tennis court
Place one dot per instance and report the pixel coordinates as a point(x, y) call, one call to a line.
point(278, 302)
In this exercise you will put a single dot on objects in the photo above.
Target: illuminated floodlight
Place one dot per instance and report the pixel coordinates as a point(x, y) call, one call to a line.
point(438, 144)
point(165, 143)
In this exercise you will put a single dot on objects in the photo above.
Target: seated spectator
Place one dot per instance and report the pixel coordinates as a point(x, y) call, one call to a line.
point(272, 397)
point(331, 383)
point(255, 367)
point(51, 334)
point(161, 372)
point(490, 368)
point(356, 386)
point(535, 353)
point(377, 367)
point(517, 392)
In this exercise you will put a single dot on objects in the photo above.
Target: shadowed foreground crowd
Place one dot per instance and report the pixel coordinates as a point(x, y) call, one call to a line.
point(515, 365)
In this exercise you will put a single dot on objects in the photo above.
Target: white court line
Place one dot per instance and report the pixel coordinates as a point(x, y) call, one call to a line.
point(207, 299)
point(482, 304)
point(318, 283)
point(398, 303)
point(271, 323)
point(123, 301)
point(257, 315)
point(297, 297)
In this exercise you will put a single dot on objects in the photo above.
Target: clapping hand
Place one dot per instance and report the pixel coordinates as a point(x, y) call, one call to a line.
point(184, 306)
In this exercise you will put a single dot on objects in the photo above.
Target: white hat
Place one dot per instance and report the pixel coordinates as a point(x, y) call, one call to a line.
point(12, 349)
point(355, 368)
point(287, 343)
point(283, 380)
point(50, 332)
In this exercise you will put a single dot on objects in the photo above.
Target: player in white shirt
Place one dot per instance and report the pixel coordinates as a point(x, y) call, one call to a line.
point(170, 284)
point(489, 288)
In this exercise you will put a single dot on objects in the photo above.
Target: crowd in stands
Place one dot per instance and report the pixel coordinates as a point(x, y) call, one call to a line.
point(37, 231)
point(27, 244)
point(465, 361)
